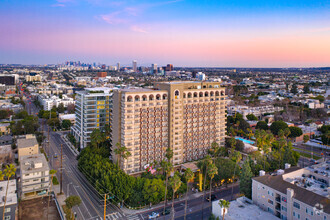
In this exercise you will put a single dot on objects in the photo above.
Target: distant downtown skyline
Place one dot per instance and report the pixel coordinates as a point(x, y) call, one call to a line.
point(213, 33)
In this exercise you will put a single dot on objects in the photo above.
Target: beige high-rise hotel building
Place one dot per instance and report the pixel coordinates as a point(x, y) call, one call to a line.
point(185, 116)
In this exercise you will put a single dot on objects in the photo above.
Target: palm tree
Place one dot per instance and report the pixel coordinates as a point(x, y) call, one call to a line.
point(212, 170)
point(9, 172)
point(189, 176)
point(122, 152)
point(203, 165)
point(250, 133)
point(214, 150)
point(96, 137)
point(52, 173)
point(225, 205)
point(175, 183)
point(167, 168)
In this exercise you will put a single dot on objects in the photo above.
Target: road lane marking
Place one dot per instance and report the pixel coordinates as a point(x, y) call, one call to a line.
point(83, 202)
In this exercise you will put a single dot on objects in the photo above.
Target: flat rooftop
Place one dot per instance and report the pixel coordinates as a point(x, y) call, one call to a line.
point(11, 195)
point(243, 209)
point(33, 163)
point(24, 143)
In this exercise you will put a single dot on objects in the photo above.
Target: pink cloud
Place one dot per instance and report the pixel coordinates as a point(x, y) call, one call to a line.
point(113, 18)
point(58, 5)
point(138, 29)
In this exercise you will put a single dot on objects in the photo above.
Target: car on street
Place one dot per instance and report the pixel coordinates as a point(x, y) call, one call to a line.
point(153, 215)
point(167, 211)
point(213, 197)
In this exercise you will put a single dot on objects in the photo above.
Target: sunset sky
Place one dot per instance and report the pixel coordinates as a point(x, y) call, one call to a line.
point(210, 33)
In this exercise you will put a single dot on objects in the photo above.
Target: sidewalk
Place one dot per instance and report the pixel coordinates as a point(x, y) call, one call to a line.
point(179, 200)
point(71, 147)
point(60, 198)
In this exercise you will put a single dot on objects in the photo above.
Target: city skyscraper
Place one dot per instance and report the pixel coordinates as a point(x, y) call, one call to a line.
point(169, 67)
point(135, 66)
point(154, 68)
point(118, 66)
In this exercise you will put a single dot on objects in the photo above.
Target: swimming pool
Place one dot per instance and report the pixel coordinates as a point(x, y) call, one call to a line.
point(244, 140)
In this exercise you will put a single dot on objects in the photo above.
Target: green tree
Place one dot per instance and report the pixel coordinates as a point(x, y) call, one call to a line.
point(276, 126)
point(262, 125)
point(97, 137)
point(306, 89)
point(66, 124)
point(175, 183)
point(203, 167)
point(9, 171)
point(295, 132)
point(189, 177)
point(60, 108)
point(246, 175)
point(167, 168)
point(251, 117)
point(243, 125)
point(72, 201)
point(153, 190)
point(287, 132)
point(4, 114)
point(212, 171)
point(122, 153)
point(214, 150)
point(294, 89)
point(224, 205)
point(326, 138)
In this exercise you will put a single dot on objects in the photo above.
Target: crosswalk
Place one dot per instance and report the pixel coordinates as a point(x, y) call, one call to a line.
point(118, 216)
point(133, 217)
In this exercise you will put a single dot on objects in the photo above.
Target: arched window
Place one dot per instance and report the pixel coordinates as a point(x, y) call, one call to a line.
point(189, 95)
point(217, 93)
point(177, 94)
point(144, 98)
point(129, 99)
point(222, 93)
point(137, 98)
point(164, 96)
point(201, 94)
point(184, 95)
point(210, 86)
point(195, 94)
point(151, 97)
point(206, 94)
point(158, 97)
point(212, 93)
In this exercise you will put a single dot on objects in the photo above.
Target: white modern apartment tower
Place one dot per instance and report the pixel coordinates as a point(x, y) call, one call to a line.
point(93, 110)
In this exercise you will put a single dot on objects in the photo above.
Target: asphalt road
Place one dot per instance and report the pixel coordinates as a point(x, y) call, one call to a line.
point(194, 208)
point(75, 183)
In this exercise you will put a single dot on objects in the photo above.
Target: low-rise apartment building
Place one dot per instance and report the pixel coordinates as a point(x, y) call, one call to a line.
point(294, 193)
point(34, 176)
point(27, 145)
point(256, 110)
point(11, 202)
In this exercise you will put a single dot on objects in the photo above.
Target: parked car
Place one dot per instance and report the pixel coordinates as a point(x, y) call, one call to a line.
point(213, 197)
point(153, 215)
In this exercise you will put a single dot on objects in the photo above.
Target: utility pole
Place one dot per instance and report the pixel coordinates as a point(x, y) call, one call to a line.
point(105, 206)
point(61, 174)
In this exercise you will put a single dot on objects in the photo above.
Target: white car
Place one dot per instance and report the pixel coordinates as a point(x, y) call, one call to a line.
point(153, 215)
